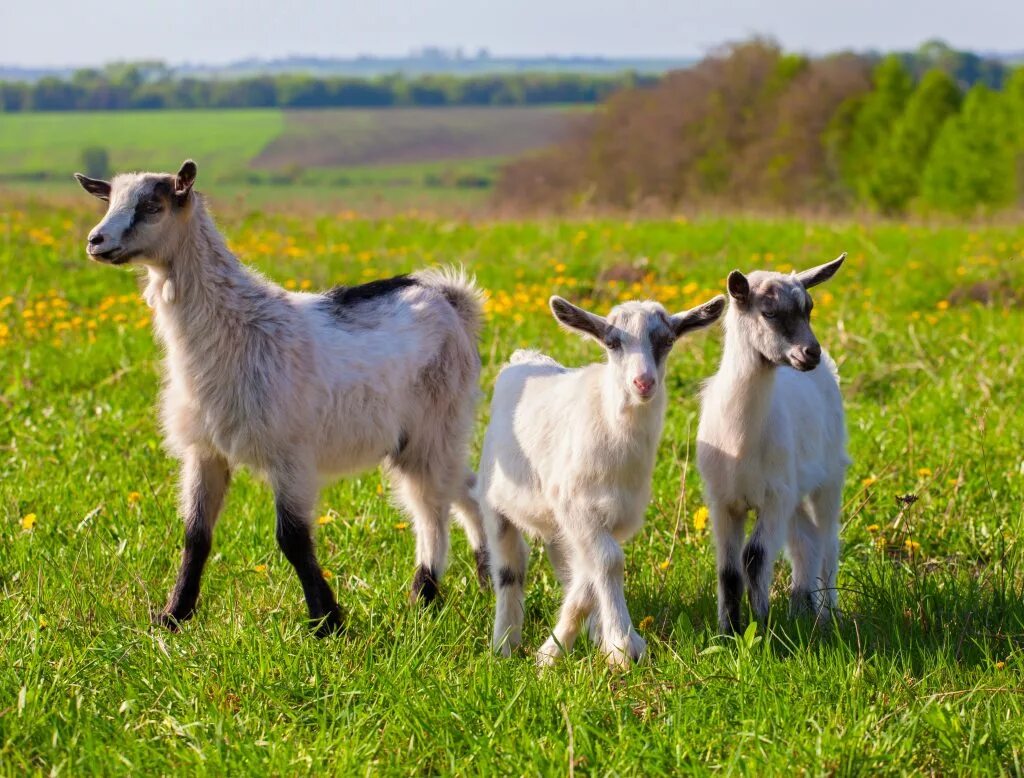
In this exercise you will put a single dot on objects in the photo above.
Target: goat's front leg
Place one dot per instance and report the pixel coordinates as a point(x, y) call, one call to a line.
point(508, 569)
point(294, 503)
point(577, 604)
point(727, 526)
point(606, 562)
point(204, 482)
point(761, 550)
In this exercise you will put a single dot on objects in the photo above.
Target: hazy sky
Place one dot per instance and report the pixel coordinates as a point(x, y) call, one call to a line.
point(61, 32)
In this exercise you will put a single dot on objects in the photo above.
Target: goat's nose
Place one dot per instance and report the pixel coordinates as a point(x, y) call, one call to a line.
point(812, 352)
point(96, 238)
point(644, 384)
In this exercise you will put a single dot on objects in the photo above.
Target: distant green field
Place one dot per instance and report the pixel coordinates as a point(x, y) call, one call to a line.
point(391, 148)
point(49, 145)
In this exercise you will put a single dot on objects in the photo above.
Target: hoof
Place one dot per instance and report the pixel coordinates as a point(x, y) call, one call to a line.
point(328, 625)
point(168, 620)
point(424, 586)
point(631, 650)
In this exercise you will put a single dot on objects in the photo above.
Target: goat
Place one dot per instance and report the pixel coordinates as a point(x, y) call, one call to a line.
point(298, 386)
point(568, 456)
point(772, 438)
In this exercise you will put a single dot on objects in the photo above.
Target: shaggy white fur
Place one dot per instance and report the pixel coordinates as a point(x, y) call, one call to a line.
point(300, 387)
point(772, 439)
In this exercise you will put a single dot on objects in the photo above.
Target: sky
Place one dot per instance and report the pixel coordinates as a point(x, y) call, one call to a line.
point(73, 32)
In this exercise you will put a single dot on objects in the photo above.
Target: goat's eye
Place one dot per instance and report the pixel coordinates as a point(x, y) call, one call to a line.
point(613, 344)
point(768, 314)
point(152, 207)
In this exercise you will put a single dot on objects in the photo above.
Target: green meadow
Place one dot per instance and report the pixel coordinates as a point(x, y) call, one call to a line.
point(922, 675)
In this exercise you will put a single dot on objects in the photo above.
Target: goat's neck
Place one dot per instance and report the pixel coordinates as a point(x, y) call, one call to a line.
point(628, 419)
point(743, 388)
point(198, 284)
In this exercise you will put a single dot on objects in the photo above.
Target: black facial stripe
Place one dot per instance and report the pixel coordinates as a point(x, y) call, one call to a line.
point(661, 345)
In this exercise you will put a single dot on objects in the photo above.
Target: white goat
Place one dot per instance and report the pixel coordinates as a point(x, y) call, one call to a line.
point(772, 438)
point(298, 386)
point(568, 456)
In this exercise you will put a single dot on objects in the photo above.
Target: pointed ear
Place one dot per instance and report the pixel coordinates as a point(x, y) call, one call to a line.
point(576, 319)
point(94, 186)
point(699, 317)
point(184, 180)
point(739, 287)
point(821, 273)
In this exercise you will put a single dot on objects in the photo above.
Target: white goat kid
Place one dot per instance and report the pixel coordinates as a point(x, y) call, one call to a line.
point(772, 439)
point(298, 386)
point(568, 456)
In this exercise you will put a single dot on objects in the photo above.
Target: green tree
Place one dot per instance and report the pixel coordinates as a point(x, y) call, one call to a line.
point(896, 177)
point(872, 122)
point(972, 162)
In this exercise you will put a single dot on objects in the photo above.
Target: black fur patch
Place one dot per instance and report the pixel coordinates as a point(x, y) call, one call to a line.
point(731, 584)
point(403, 441)
point(424, 585)
point(344, 296)
point(509, 577)
point(504, 525)
point(753, 561)
point(483, 567)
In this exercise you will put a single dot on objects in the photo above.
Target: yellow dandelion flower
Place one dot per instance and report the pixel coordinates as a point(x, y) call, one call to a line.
point(328, 575)
point(290, 284)
point(43, 622)
point(999, 665)
point(134, 497)
point(700, 518)
point(664, 565)
point(305, 284)
point(402, 525)
point(28, 521)
point(942, 305)
point(380, 488)
point(912, 546)
point(873, 528)
point(869, 481)
point(260, 569)
point(325, 519)
point(645, 623)
point(924, 472)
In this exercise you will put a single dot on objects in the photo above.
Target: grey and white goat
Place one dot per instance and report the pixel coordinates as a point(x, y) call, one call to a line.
point(298, 386)
point(568, 456)
point(772, 439)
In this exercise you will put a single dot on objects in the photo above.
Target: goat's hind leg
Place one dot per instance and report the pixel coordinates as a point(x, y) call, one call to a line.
point(204, 482)
point(467, 511)
point(827, 505)
point(804, 549)
point(424, 497)
point(294, 497)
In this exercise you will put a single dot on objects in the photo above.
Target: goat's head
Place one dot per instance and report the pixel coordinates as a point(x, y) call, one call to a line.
point(144, 215)
point(772, 313)
point(638, 337)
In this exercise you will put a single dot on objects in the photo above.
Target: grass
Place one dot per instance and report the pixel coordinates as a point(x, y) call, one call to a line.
point(924, 674)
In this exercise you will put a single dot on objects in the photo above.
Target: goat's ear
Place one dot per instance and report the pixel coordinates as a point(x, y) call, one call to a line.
point(699, 317)
point(821, 273)
point(738, 286)
point(184, 180)
point(574, 318)
point(94, 186)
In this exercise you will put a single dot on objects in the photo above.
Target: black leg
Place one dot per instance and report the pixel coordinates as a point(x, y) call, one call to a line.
point(730, 588)
point(296, 542)
point(204, 481)
point(424, 586)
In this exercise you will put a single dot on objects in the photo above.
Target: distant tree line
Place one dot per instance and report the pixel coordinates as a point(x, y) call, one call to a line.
point(151, 86)
point(753, 126)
